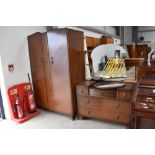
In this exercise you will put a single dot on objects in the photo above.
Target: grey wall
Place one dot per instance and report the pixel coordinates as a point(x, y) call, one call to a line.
point(107, 29)
point(148, 32)
point(127, 35)
point(93, 31)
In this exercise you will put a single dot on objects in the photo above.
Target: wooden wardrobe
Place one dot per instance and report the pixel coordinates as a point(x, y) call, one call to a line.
point(57, 66)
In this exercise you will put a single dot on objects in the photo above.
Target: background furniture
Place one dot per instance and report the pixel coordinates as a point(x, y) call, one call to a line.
point(143, 105)
point(92, 42)
point(57, 65)
point(138, 51)
point(107, 40)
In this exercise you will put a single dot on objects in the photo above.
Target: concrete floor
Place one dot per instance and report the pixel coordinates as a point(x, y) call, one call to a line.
point(50, 120)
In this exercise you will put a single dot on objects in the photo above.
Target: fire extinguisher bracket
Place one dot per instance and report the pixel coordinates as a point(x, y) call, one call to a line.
point(28, 117)
point(22, 102)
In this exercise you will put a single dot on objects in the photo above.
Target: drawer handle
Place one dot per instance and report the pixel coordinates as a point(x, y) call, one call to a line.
point(81, 90)
point(87, 101)
point(89, 112)
point(52, 60)
point(149, 99)
point(124, 94)
point(41, 60)
point(150, 107)
point(117, 105)
point(117, 116)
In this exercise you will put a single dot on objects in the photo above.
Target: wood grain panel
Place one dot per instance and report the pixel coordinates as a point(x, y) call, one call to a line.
point(61, 85)
point(104, 104)
point(48, 76)
point(37, 69)
point(105, 115)
point(76, 61)
point(103, 93)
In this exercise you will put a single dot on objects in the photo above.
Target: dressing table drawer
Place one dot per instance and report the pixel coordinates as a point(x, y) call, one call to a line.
point(82, 90)
point(105, 115)
point(97, 103)
point(125, 95)
point(104, 104)
point(146, 99)
point(103, 93)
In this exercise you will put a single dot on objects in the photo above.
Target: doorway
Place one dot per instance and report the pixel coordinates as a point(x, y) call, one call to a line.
point(2, 114)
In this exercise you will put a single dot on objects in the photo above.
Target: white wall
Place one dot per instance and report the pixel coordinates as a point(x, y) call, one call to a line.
point(148, 36)
point(14, 50)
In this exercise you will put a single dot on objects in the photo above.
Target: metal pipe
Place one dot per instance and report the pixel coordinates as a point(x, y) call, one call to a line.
point(91, 28)
point(146, 30)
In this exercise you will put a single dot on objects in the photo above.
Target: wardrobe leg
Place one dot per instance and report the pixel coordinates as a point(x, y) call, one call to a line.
point(73, 118)
point(131, 122)
point(135, 122)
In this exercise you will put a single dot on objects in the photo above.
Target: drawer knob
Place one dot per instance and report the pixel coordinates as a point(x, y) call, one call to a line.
point(87, 101)
point(117, 116)
point(150, 107)
point(124, 94)
point(117, 105)
point(81, 90)
point(89, 112)
point(149, 99)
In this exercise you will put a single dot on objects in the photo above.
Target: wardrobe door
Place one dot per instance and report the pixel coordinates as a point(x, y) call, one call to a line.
point(48, 75)
point(37, 69)
point(58, 50)
point(76, 59)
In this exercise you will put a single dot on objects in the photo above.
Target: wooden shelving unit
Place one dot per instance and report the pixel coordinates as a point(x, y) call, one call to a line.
point(94, 42)
point(138, 51)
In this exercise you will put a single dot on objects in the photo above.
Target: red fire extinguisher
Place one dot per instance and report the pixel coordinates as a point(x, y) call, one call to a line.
point(31, 101)
point(18, 107)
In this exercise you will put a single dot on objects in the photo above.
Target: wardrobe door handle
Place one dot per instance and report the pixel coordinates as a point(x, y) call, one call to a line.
point(41, 60)
point(52, 60)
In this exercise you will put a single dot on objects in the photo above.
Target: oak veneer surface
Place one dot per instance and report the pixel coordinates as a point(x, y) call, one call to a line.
point(37, 69)
point(66, 49)
point(76, 61)
point(61, 86)
point(105, 115)
point(57, 64)
point(48, 75)
point(112, 105)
